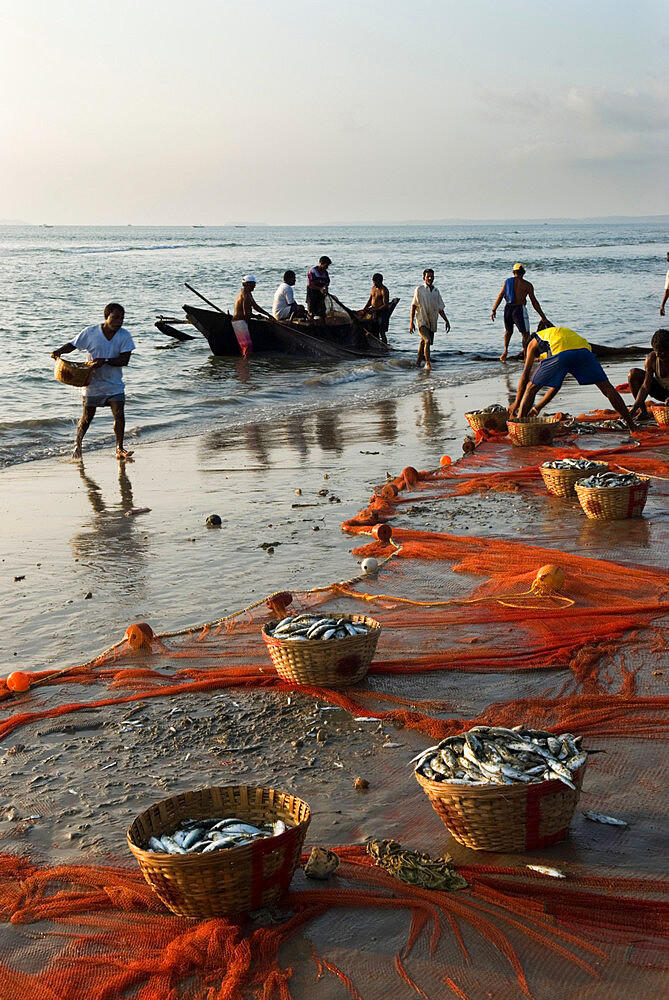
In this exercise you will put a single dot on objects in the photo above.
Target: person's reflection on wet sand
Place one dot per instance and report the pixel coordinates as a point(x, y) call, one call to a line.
point(295, 436)
point(431, 418)
point(387, 411)
point(328, 432)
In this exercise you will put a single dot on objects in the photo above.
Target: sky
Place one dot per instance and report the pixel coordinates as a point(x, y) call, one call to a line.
point(292, 112)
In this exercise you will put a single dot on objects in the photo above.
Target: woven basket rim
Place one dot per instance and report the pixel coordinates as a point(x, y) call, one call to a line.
point(306, 644)
point(533, 421)
point(645, 481)
point(516, 789)
point(547, 468)
point(487, 413)
point(143, 853)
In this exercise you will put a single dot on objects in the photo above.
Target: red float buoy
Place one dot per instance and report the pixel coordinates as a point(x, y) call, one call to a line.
point(445, 461)
point(410, 475)
point(389, 491)
point(18, 681)
point(383, 532)
point(139, 635)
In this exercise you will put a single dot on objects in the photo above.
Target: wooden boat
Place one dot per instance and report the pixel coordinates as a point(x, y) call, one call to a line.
point(341, 335)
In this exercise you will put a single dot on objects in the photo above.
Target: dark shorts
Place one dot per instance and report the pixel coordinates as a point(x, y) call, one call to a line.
point(315, 301)
point(656, 391)
point(95, 401)
point(515, 316)
point(581, 363)
point(426, 334)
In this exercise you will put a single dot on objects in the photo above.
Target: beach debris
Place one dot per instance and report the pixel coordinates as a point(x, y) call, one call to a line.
point(88, 596)
point(202, 836)
point(494, 755)
point(369, 566)
point(321, 736)
point(139, 636)
point(298, 492)
point(301, 627)
point(415, 867)
point(468, 445)
point(322, 493)
point(361, 784)
point(268, 546)
point(18, 578)
point(315, 528)
point(543, 870)
point(549, 578)
point(391, 746)
point(610, 480)
point(214, 521)
point(601, 818)
point(321, 864)
point(137, 510)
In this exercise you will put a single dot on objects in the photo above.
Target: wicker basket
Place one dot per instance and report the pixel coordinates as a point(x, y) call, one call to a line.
point(229, 881)
point(516, 817)
point(614, 504)
point(72, 372)
point(561, 482)
point(661, 414)
point(494, 421)
point(325, 662)
point(532, 431)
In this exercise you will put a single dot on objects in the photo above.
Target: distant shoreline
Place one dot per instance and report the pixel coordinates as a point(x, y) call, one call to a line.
point(611, 220)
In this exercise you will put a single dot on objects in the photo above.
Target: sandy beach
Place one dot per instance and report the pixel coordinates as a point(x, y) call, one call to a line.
point(73, 784)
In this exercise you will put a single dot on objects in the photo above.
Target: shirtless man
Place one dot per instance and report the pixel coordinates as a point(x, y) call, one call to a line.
point(666, 291)
point(109, 347)
point(653, 380)
point(516, 291)
point(377, 305)
point(244, 304)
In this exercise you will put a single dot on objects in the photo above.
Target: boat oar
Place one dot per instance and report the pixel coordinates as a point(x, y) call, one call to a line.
point(201, 296)
point(354, 318)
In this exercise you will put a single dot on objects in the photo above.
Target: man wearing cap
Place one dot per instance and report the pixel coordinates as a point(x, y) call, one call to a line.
point(244, 304)
point(515, 291)
point(318, 282)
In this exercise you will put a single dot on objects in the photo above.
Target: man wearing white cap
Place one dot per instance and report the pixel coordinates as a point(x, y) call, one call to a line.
point(516, 291)
point(244, 304)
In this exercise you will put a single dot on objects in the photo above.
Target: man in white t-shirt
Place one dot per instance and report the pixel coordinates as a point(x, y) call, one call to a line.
point(428, 305)
point(666, 291)
point(284, 305)
point(109, 347)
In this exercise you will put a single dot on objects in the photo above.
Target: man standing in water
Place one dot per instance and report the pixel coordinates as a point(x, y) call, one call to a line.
point(666, 291)
point(516, 291)
point(109, 347)
point(428, 305)
point(244, 304)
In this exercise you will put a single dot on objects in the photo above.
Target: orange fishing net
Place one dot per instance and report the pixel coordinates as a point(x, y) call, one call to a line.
point(466, 640)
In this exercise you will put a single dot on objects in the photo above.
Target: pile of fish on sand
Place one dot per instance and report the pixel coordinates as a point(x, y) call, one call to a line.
point(202, 836)
point(301, 627)
point(578, 464)
point(493, 755)
point(611, 480)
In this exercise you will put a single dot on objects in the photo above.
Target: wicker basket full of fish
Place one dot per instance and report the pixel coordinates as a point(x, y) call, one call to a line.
point(490, 418)
point(661, 414)
point(562, 475)
point(500, 789)
point(322, 650)
point(76, 373)
point(532, 431)
point(613, 496)
point(219, 851)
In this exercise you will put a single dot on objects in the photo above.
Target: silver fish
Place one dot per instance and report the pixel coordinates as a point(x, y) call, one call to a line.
point(553, 872)
point(601, 818)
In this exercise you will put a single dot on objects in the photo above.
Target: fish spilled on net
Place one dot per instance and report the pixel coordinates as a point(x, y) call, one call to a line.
point(202, 836)
point(494, 755)
point(610, 480)
point(601, 818)
point(302, 627)
point(581, 464)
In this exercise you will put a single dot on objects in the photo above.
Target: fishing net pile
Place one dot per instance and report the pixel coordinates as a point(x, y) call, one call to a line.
point(471, 635)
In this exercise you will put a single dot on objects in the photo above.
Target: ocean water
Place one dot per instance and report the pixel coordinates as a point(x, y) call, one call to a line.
point(603, 280)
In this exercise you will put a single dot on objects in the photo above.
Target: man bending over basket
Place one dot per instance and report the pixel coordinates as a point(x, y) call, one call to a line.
point(564, 353)
point(109, 347)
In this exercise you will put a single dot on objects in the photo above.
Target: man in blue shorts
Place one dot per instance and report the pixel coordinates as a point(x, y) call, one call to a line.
point(516, 291)
point(109, 347)
point(564, 353)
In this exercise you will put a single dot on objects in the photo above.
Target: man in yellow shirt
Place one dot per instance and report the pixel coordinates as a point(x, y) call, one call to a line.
point(564, 353)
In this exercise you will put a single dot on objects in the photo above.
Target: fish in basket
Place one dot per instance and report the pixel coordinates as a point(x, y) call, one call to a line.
point(220, 851)
point(531, 431)
point(612, 496)
point(76, 373)
point(561, 475)
point(490, 418)
point(499, 789)
point(322, 650)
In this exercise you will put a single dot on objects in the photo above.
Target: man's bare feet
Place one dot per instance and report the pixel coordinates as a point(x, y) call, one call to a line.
point(122, 453)
point(428, 366)
point(77, 451)
point(502, 357)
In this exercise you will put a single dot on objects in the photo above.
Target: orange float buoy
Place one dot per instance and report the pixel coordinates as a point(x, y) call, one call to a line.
point(18, 681)
point(383, 532)
point(548, 580)
point(279, 602)
point(139, 635)
point(389, 491)
point(468, 445)
point(445, 461)
point(366, 516)
point(410, 475)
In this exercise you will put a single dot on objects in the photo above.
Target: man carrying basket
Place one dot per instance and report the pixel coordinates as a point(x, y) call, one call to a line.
point(109, 347)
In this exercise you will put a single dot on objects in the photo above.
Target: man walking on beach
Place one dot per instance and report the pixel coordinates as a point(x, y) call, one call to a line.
point(318, 282)
point(428, 305)
point(244, 304)
point(516, 291)
point(666, 291)
point(109, 347)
